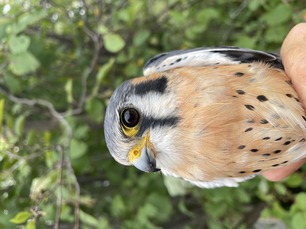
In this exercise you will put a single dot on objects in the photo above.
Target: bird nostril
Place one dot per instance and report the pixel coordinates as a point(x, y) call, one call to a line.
point(136, 153)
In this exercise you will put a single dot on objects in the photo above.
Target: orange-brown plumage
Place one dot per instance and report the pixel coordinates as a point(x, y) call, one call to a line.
point(212, 124)
point(232, 138)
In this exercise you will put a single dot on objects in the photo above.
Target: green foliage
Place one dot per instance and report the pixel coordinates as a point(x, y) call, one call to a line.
point(60, 62)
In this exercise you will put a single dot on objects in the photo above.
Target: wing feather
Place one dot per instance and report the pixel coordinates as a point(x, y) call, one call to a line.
point(208, 57)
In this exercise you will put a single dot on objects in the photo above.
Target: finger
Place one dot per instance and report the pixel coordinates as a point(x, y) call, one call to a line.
point(281, 173)
point(293, 54)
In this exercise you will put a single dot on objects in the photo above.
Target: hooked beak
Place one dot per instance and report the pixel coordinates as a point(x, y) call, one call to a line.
point(142, 156)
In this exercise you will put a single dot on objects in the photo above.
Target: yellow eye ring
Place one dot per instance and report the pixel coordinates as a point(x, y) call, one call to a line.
point(129, 119)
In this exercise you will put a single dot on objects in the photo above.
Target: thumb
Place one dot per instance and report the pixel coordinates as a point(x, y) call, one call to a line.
point(293, 53)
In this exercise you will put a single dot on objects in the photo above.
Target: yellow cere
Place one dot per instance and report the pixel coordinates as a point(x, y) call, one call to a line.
point(135, 152)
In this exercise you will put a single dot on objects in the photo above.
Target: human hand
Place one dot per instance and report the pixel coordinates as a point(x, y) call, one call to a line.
point(293, 53)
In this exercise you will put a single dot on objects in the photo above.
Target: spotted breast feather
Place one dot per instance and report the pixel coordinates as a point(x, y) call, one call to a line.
point(242, 115)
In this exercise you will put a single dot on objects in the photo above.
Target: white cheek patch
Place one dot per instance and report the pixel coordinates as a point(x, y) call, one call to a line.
point(162, 139)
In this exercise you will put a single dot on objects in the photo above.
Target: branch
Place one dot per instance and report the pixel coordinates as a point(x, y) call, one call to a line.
point(98, 45)
point(233, 17)
point(63, 156)
point(20, 160)
point(251, 217)
point(44, 103)
point(59, 195)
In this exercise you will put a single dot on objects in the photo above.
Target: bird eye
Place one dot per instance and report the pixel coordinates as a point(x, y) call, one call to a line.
point(130, 117)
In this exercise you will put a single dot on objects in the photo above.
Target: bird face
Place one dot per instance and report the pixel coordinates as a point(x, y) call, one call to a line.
point(138, 121)
point(214, 116)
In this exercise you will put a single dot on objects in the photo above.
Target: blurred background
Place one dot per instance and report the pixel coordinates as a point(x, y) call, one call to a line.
point(60, 60)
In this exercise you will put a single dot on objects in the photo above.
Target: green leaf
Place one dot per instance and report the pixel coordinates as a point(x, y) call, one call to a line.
point(113, 42)
point(177, 17)
point(89, 219)
point(21, 217)
point(1, 114)
point(278, 16)
point(298, 221)
point(207, 14)
point(77, 149)
point(162, 203)
point(276, 33)
point(68, 89)
point(175, 186)
point(255, 4)
point(40, 184)
point(4, 22)
point(23, 63)
point(117, 206)
point(27, 19)
point(102, 29)
point(246, 41)
point(280, 188)
point(12, 83)
point(81, 131)
point(263, 186)
point(95, 109)
point(19, 124)
point(31, 225)
point(300, 201)
point(294, 180)
point(19, 44)
point(141, 37)
point(104, 70)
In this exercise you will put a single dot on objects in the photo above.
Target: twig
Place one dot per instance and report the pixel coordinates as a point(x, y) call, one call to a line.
point(43, 103)
point(20, 160)
point(77, 195)
point(59, 194)
point(251, 217)
point(68, 129)
point(98, 45)
point(233, 17)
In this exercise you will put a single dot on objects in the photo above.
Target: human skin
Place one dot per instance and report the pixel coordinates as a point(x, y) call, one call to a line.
point(293, 53)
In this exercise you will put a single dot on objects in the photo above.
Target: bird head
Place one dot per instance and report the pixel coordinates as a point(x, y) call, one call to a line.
point(139, 120)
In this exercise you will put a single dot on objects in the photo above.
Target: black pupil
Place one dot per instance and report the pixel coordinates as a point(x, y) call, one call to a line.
point(130, 117)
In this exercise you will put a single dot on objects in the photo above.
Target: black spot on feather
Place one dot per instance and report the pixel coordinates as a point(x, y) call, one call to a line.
point(241, 147)
point(287, 143)
point(256, 170)
point(240, 92)
point(264, 121)
point(277, 151)
point(266, 155)
point(262, 98)
point(250, 107)
point(239, 74)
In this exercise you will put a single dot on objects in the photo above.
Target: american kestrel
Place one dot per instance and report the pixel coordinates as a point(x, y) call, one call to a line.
point(212, 116)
